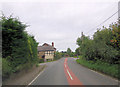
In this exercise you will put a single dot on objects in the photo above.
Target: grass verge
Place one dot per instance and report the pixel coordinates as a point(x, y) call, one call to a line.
point(105, 68)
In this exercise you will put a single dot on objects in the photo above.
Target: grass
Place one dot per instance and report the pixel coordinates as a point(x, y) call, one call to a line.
point(103, 67)
point(49, 61)
point(77, 56)
point(52, 60)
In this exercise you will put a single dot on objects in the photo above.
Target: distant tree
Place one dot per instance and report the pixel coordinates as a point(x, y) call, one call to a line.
point(69, 51)
point(58, 55)
point(63, 53)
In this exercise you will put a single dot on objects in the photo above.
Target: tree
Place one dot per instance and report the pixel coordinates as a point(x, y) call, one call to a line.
point(58, 55)
point(85, 47)
point(104, 46)
point(69, 51)
point(77, 51)
point(12, 34)
point(19, 49)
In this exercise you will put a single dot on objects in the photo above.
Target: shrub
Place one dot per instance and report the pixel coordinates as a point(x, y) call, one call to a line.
point(41, 60)
point(19, 49)
point(6, 68)
point(58, 55)
point(104, 45)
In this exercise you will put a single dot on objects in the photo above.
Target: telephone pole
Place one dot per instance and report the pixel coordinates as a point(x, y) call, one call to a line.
point(119, 13)
point(118, 10)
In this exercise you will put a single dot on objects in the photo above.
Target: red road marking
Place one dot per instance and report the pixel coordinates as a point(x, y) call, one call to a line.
point(72, 79)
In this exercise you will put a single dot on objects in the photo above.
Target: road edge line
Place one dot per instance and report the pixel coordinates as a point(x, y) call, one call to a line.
point(36, 77)
point(104, 75)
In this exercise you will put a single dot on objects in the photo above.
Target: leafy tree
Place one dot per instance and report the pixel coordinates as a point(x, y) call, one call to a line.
point(58, 55)
point(69, 51)
point(104, 46)
point(115, 35)
point(77, 51)
point(11, 31)
point(19, 49)
point(105, 51)
point(85, 48)
point(63, 53)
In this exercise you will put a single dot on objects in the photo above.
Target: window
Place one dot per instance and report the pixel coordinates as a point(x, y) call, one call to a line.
point(50, 52)
point(46, 52)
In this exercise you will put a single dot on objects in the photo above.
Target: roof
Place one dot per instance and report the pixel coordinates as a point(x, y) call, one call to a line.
point(46, 47)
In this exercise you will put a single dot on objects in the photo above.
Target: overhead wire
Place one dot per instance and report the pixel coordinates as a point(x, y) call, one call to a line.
point(103, 21)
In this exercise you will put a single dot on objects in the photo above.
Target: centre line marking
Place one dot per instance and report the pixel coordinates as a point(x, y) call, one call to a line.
point(69, 75)
point(65, 65)
point(71, 78)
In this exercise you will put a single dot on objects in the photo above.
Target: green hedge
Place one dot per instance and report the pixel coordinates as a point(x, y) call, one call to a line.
point(6, 69)
point(19, 49)
point(41, 60)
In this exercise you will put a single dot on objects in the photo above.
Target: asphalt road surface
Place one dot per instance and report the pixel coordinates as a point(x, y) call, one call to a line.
point(67, 72)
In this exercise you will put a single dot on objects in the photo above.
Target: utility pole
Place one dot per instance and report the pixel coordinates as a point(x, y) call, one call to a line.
point(118, 9)
point(82, 35)
point(118, 12)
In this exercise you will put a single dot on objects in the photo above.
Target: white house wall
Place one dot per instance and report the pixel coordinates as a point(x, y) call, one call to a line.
point(49, 55)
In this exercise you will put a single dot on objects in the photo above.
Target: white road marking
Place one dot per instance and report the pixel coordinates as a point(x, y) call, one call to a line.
point(69, 75)
point(36, 77)
point(103, 75)
point(65, 65)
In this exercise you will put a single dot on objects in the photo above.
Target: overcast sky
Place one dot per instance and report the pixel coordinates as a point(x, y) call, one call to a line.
point(61, 21)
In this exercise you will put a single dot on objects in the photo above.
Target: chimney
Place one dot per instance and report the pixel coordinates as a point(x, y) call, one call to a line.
point(52, 44)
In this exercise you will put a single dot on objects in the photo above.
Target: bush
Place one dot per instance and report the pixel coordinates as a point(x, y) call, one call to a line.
point(104, 45)
point(58, 55)
point(41, 60)
point(19, 49)
point(6, 68)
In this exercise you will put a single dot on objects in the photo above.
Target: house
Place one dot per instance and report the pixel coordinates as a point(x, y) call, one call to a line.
point(46, 51)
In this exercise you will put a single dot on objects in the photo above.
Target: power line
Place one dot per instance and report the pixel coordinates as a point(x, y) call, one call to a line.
point(104, 21)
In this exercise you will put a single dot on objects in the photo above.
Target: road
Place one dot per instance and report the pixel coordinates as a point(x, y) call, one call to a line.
point(67, 72)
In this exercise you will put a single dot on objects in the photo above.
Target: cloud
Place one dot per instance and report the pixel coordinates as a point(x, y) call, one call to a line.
point(61, 21)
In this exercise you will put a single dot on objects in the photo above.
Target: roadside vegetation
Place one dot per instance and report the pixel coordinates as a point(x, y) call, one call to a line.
point(19, 49)
point(102, 52)
point(100, 66)
point(61, 54)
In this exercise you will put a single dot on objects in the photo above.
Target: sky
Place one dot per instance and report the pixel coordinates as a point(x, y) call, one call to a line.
point(61, 21)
